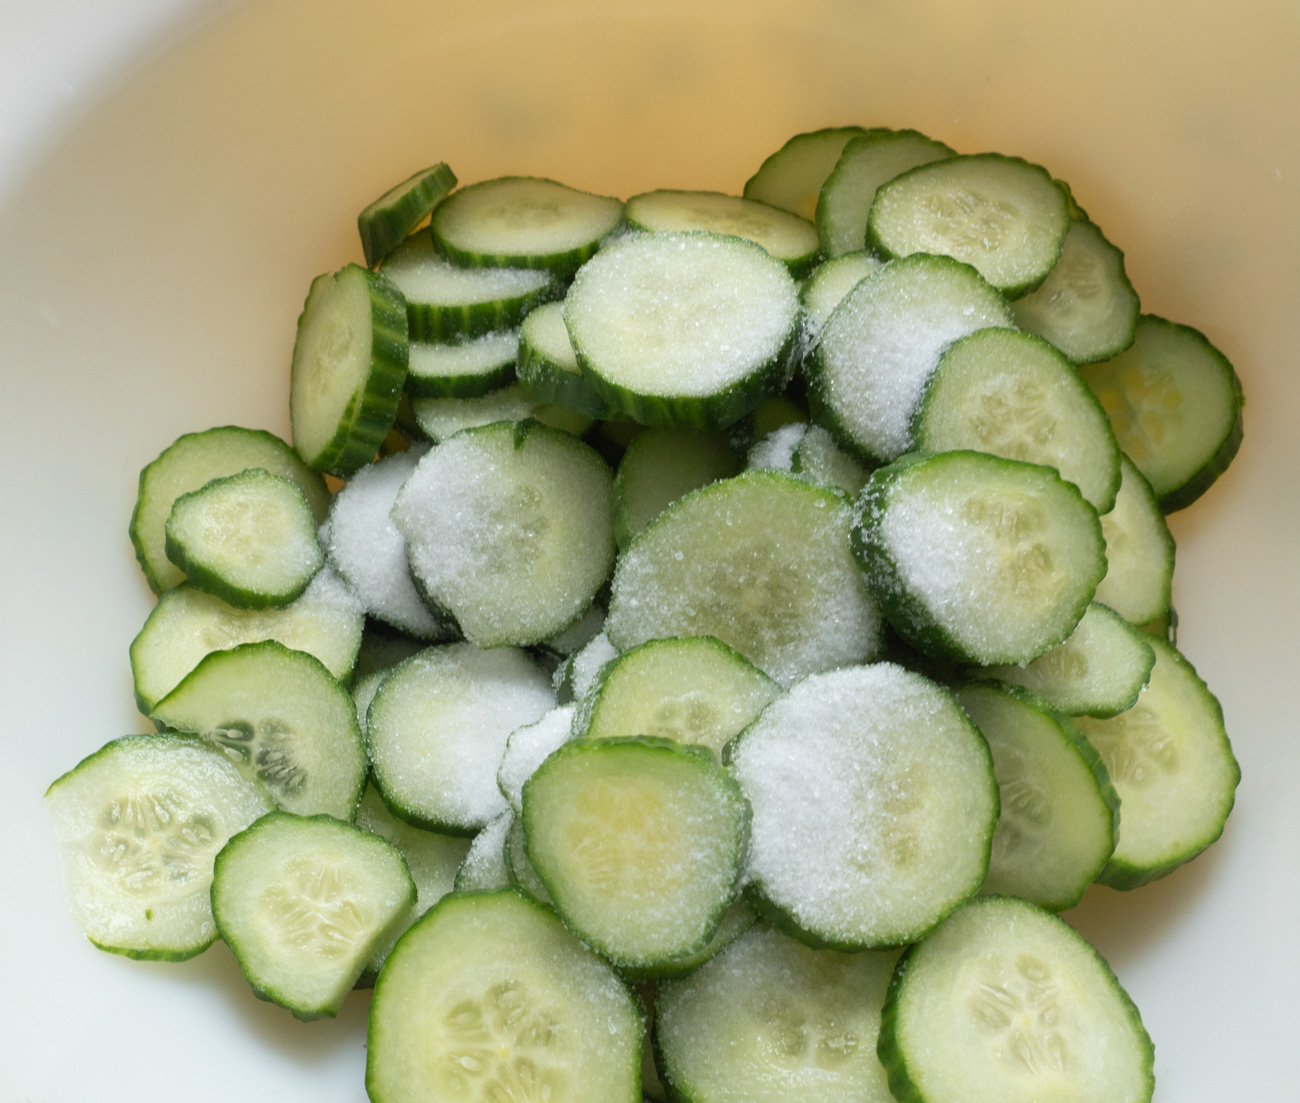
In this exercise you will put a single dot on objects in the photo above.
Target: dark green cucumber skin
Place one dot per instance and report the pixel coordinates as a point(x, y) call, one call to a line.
point(371, 413)
point(551, 383)
point(460, 386)
point(441, 322)
point(382, 230)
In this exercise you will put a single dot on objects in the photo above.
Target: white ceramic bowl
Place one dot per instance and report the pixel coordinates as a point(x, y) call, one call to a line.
point(154, 259)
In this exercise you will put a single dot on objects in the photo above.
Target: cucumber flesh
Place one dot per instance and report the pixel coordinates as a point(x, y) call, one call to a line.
point(792, 177)
point(824, 290)
point(385, 222)
point(440, 418)
point(661, 465)
point(1138, 583)
point(528, 747)
point(465, 369)
point(548, 368)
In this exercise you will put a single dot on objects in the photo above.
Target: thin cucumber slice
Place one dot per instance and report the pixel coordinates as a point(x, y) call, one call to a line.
point(193, 461)
point(825, 289)
point(465, 369)
point(303, 901)
point(1086, 307)
point(528, 747)
point(869, 369)
point(695, 690)
point(523, 875)
point(579, 673)
point(789, 238)
point(510, 528)
point(661, 465)
point(977, 558)
point(640, 843)
point(690, 330)
point(761, 562)
point(548, 368)
point(282, 719)
point(874, 806)
point(652, 1088)
point(770, 1020)
point(1139, 551)
point(808, 452)
point(524, 222)
point(484, 868)
point(1175, 404)
point(188, 624)
point(1014, 395)
point(489, 997)
point(138, 824)
point(1060, 814)
point(440, 418)
point(1172, 765)
point(384, 223)
point(370, 554)
point(249, 539)
point(349, 364)
point(437, 728)
point(445, 301)
point(1098, 671)
point(1005, 1003)
point(868, 161)
point(1001, 215)
point(792, 177)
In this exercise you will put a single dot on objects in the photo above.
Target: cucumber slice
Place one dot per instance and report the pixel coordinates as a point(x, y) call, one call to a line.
point(808, 452)
point(1172, 765)
point(874, 807)
point(825, 289)
point(282, 719)
point(686, 330)
point(695, 690)
point(761, 562)
point(138, 824)
point(868, 161)
point(1098, 671)
point(548, 367)
point(640, 843)
point(661, 465)
point(193, 461)
point(484, 868)
point(576, 677)
point(1001, 215)
point(1014, 395)
point(772, 1021)
point(527, 748)
point(249, 539)
point(1139, 578)
point(1006, 1004)
point(440, 418)
point(445, 301)
point(524, 222)
point(1059, 815)
point(735, 921)
point(438, 726)
point(489, 997)
point(977, 558)
point(187, 624)
point(792, 177)
point(789, 238)
point(510, 528)
point(302, 902)
point(1086, 307)
point(349, 364)
point(465, 370)
point(1175, 404)
point(523, 875)
point(385, 222)
point(881, 344)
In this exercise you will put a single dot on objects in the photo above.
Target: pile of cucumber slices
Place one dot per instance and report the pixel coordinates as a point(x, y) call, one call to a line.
point(692, 648)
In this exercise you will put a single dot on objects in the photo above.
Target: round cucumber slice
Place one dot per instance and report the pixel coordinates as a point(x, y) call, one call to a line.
point(1138, 583)
point(659, 466)
point(824, 290)
point(385, 222)
point(548, 368)
point(792, 177)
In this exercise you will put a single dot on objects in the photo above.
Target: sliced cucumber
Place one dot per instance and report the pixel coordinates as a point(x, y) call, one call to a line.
point(1171, 763)
point(548, 368)
point(640, 843)
point(489, 997)
point(281, 718)
point(575, 678)
point(762, 562)
point(465, 369)
point(138, 825)
point(524, 222)
point(769, 1020)
point(1001, 215)
point(661, 465)
point(528, 747)
point(825, 289)
point(735, 921)
point(440, 418)
point(808, 452)
point(303, 901)
point(874, 806)
point(193, 461)
point(349, 364)
point(1175, 403)
point(977, 558)
point(1006, 1004)
point(484, 868)
point(1138, 583)
point(523, 875)
point(792, 177)
point(249, 539)
point(385, 222)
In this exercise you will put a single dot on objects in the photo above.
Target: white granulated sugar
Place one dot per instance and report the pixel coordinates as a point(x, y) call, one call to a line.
point(680, 314)
point(585, 666)
point(819, 459)
point(368, 551)
point(827, 287)
point(873, 803)
point(484, 867)
point(884, 340)
point(775, 452)
point(528, 747)
point(424, 277)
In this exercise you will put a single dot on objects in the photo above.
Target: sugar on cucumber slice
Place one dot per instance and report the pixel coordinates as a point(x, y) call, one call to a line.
point(384, 223)
point(484, 867)
point(1138, 583)
point(792, 177)
point(440, 418)
point(462, 369)
point(735, 921)
point(659, 466)
point(823, 291)
point(808, 452)
point(138, 824)
point(528, 747)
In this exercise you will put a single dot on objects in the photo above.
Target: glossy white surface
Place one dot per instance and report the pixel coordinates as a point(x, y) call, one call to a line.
point(156, 245)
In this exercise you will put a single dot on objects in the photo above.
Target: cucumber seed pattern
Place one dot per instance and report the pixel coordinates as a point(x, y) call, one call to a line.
point(155, 839)
point(1137, 746)
point(1024, 563)
point(315, 906)
point(961, 223)
point(1018, 1007)
point(265, 750)
point(794, 1037)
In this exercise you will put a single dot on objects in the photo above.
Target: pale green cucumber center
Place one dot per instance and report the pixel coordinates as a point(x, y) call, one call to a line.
point(424, 277)
point(522, 216)
point(1139, 552)
point(544, 331)
point(155, 842)
point(477, 357)
point(331, 360)
point(314, 914)
point(782, 234)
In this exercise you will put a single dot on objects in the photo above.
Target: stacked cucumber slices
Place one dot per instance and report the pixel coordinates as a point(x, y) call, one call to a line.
point(745, 623)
